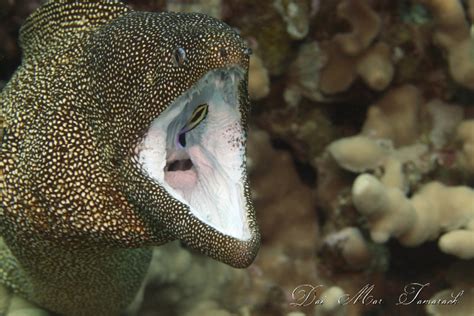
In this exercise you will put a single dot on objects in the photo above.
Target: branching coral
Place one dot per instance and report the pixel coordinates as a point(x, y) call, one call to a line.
point(361, 153)
point(435, 209)
point(358, 153)
point(453, 35)
point(338, 73)
point(463, 307)
point(374, 66)
point(296, 15)
point(395, 116)
point(365, 24)
point(351, 246)
point(461, 278)
point(352, 54)
point(304, 74)
point(445, 121)
point(332, 305)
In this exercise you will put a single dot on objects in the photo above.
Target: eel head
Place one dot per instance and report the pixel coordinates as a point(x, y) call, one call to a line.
point(179, 126)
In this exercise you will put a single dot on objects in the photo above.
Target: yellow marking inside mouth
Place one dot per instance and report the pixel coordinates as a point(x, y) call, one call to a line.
point(199, 114)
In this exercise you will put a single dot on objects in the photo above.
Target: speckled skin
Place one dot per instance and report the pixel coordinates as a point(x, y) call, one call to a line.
point(77, 212)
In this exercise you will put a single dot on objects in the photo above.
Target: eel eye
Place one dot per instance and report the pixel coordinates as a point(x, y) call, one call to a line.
point(223, 52)
point(198, 115)
point(180, 56)
point(248, 51)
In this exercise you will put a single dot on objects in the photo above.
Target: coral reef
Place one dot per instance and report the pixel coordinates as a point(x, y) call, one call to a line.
point(433, 210)
point(361, 159)
point(452, 34)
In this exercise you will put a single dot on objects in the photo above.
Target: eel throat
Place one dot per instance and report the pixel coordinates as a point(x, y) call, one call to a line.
point(195, 149)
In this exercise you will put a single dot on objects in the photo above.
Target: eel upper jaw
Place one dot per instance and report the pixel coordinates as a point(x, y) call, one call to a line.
point(205, 169)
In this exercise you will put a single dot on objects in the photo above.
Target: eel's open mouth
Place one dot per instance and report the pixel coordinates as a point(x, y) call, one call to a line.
point(195, 150)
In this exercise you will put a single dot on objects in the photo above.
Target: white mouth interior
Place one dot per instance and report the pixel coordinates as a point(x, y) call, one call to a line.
point(207, 173)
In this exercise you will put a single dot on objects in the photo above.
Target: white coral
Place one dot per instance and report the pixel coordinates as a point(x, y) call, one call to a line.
point(434, 210)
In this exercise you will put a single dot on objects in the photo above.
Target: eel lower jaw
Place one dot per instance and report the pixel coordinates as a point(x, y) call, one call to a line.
point(206, 171)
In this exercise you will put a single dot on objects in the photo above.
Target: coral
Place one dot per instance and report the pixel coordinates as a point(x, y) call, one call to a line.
point(358, 153)
point(461, 278)
point(434, 210)
point(464, 307)
point(187, 283)
point(304, 74)
point(259, 81)
point(453, 35)
point(264, 28)
point(458, 243)
point(306, 131)
point(278, 190)
point(395, 116)
point(465, 136)
point(349, 96)
point(338, 73)
point(349, 55)
point(351, 246)
point(361, 153)
point(398, 199)
point(331, 306)
point(365, 24)
point(295, 13)
point(374, 66)
point(445, 120)
point(287, 217)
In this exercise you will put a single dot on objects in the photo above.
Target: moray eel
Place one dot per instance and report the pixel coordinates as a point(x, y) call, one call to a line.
point(124, 130)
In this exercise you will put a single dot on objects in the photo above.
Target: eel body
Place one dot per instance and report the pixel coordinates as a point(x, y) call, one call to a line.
point(123, 130)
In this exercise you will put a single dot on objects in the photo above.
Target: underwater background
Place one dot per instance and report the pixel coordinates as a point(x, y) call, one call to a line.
point(361, 160)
